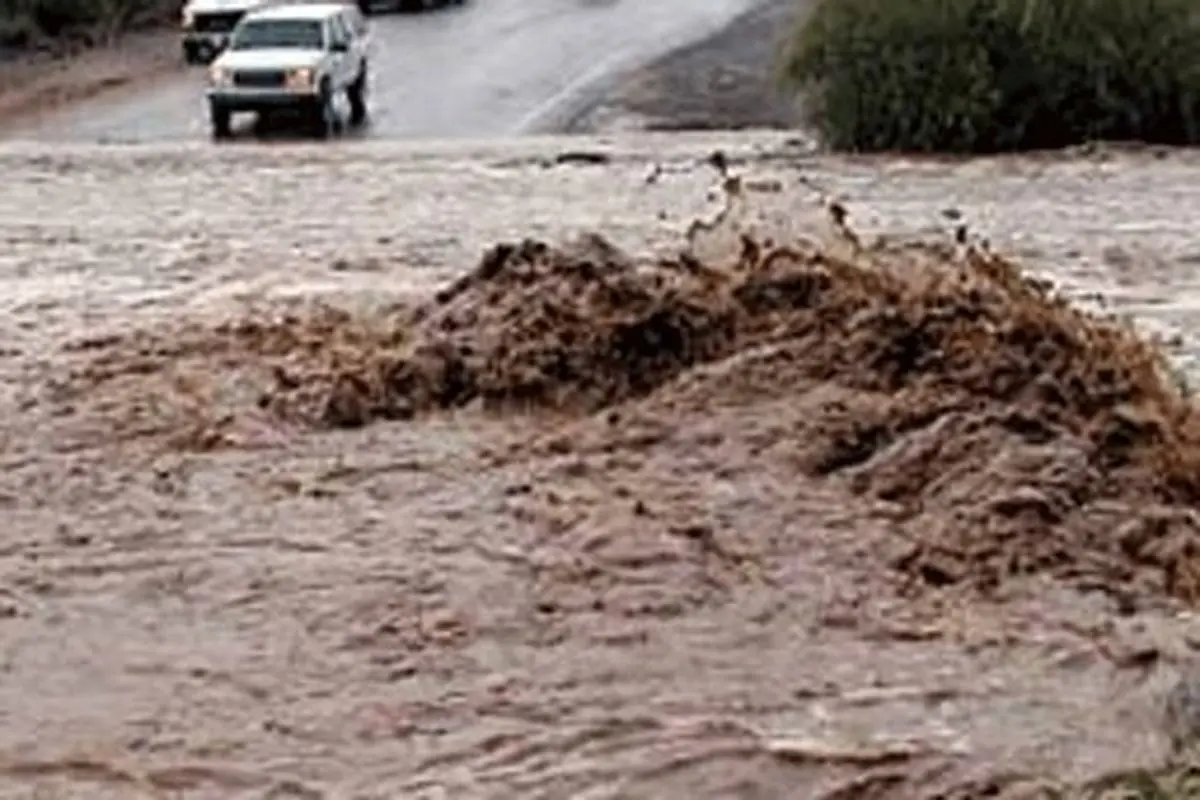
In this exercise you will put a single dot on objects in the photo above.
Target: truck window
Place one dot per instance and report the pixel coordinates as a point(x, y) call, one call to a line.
point(337, 31)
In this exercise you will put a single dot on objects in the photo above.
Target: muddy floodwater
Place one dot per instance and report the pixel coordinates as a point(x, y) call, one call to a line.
point(464, 471)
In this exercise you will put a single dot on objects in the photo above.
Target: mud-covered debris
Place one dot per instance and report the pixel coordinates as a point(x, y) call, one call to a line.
point(587, 157)
point(1181, 707)
point(719, 161)
point(576, 328)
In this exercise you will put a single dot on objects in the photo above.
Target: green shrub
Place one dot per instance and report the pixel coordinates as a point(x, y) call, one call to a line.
point(998, 75)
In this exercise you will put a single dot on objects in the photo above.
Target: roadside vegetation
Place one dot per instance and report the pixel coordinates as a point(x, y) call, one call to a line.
point(974, 76)
point(62, 25)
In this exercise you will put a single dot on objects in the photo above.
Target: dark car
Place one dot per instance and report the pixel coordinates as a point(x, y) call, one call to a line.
point(373, 6)
point(207, 25)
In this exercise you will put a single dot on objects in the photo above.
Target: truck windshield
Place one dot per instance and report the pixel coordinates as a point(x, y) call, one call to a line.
point(260, 34)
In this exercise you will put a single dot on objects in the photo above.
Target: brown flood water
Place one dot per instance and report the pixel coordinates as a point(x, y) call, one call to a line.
point(363, 507)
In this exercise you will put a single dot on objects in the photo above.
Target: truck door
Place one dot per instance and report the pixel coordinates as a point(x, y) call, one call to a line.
point(343, 69)
point(357, 22)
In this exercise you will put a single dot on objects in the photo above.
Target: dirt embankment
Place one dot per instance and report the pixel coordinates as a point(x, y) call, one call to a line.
point(467, 537)
point(34, 83)
point(726, 81)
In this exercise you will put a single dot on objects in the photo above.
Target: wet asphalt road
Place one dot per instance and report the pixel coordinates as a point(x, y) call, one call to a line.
point(486, 68)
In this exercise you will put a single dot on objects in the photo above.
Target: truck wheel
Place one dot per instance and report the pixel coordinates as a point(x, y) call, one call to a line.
point(221, 122)
point(324, 115)
point(356, 93)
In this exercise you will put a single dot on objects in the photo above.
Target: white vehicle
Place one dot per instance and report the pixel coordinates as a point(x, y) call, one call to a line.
point(208, 23)
point(292, 57)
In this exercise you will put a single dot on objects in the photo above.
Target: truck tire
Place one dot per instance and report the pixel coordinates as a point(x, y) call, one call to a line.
point(356, 93)
point(324, 116)
point(221, 120)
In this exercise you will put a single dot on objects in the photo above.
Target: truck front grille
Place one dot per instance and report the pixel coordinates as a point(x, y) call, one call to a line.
point(260, 78)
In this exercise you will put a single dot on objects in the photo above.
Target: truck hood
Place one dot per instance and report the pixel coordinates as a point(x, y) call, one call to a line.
point(268, 58)
point(206, 6)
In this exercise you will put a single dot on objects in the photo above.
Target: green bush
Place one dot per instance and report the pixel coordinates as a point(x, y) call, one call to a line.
point(998, 75)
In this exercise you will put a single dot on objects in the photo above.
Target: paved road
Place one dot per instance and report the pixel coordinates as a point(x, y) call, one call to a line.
point(489, 67)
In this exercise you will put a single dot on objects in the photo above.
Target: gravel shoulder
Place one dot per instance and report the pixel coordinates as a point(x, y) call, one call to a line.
point(35, 85)
point(726, 81)
point(201, 600)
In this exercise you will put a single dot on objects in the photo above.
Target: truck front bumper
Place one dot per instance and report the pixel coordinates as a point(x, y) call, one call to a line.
point(235, 100)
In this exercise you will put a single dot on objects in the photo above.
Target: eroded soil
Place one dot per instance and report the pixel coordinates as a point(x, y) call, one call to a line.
point(509, 480)
point(728, 81)
point(33, 85)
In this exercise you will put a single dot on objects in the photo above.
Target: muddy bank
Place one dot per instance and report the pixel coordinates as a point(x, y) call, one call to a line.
point(37, 83)
point(582, 466)
point(726, 81)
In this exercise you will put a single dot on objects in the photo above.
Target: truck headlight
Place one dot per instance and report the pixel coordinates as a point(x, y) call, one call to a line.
point(300, 80)
point(219, 76)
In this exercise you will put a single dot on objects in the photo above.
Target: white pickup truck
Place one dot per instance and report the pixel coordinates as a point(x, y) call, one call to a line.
point(292, 57)
point(208, 23)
